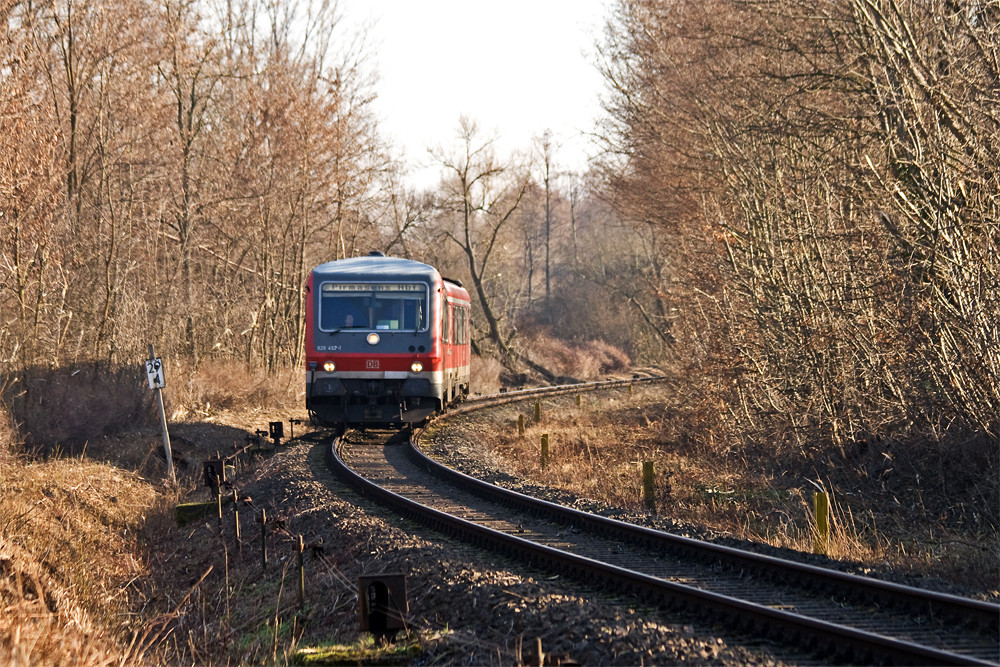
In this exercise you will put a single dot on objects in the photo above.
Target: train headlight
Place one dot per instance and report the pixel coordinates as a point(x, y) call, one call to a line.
point(416, 367)
point(329, 367)
point(373, 338)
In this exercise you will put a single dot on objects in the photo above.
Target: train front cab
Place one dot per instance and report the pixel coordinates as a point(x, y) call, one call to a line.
point(398, 361)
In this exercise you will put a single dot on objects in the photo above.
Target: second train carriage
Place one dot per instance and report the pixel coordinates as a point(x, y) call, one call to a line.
point(387, 341)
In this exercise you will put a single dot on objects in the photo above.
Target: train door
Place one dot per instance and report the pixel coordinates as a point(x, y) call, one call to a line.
point(446, 349)
point(462, 344)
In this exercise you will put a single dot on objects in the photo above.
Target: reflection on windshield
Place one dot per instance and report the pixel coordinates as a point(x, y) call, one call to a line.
point(370, 307)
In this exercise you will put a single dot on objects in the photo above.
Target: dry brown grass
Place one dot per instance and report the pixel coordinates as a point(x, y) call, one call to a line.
point(74, 532)
point(60, 409)
point(76, 536)
point(597, 450)
point(69, 555)
point(486, 372)
point(218, 385)
point(582, 360)
point(9, 437)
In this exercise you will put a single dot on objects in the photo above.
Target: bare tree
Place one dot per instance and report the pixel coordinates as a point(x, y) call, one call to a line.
point(92, 71)
point(546, 151)
point(30, 188)
point(937, 178)
point(203, 160)
point(482, 194)
point(836, 159)
point(191, 71)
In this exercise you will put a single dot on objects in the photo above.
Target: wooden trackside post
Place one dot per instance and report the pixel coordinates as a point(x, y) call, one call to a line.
point(302, 575)
point(520, 425)
point(263, 539)
point(545, 449)
point(236, 522)
point(538, 412)
point(157, 381)
point(579, 400)
point(821, 505)
point(648, 496)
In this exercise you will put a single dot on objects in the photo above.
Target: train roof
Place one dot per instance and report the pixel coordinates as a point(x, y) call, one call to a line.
point(377, 267)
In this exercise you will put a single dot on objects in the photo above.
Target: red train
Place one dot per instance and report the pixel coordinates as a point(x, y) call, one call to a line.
point(387, 342)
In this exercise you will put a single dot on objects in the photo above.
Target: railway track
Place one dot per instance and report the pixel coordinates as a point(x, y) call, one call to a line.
point(838, 616)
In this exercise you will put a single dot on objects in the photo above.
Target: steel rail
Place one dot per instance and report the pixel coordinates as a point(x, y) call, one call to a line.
point(976, 612)
point(521, 394)
point(781, 625)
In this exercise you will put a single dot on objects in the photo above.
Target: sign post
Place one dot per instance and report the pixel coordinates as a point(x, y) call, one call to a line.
point(154, 372)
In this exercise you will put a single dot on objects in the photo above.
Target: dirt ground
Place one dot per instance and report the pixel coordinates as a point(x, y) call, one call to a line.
point(217, 603)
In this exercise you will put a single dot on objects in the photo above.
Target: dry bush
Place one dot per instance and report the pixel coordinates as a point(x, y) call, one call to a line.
point(851, 257)
point(59, 520)
point(584, 360)
point(610, 358)
point(66, 407)
point(486, 371)
point(921, 508)
point(226, 384)
point(8, 433)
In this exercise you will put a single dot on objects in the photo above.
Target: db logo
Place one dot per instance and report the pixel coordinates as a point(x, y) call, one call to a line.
point(372, 363)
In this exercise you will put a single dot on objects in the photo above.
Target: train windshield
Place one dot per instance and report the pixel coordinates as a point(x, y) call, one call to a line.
point(373, 306)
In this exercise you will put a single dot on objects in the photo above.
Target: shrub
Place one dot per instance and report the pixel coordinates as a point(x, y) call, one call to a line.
point(584, 360)
point(66, 407)
point(227, 384)
point(66, 555)
point(8, 434)
point(486, 372)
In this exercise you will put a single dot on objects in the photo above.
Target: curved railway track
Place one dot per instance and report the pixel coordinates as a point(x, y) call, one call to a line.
point(840, 616)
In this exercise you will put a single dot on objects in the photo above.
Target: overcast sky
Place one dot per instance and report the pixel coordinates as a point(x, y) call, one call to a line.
point(517, 67)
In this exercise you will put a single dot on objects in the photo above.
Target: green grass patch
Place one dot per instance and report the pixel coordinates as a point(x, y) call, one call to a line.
point(364, 651)
point(185, 513)
point(264, 635)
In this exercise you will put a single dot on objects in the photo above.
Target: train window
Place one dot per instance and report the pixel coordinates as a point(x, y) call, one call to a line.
point(459, 312)
point(446, 322)
point(455, 324)
point(393, 307)
point(461, 325)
